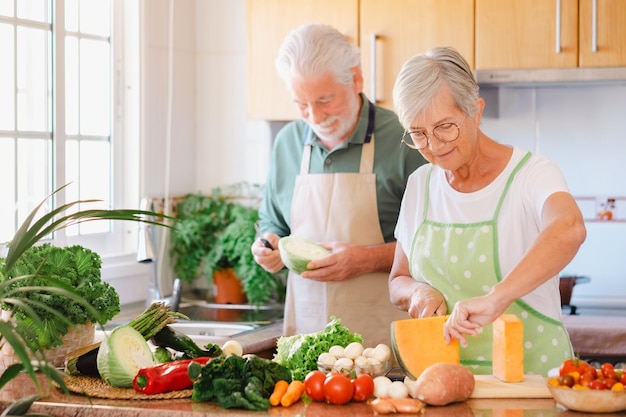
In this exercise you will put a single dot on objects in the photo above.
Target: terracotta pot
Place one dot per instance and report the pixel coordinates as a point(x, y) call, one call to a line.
point(227, 287)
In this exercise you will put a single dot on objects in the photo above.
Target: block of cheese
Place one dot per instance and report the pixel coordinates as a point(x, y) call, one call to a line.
point(508, 348)
point(419, 343)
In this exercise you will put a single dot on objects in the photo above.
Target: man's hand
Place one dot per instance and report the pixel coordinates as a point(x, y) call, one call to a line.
point(269, 259)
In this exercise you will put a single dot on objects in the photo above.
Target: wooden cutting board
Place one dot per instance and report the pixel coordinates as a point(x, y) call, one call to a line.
point(488, 386)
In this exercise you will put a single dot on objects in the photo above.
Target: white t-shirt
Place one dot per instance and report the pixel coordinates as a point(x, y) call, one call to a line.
point(519, 221)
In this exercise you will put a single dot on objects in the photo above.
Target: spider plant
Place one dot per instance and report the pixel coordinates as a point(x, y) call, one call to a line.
point(15, 290)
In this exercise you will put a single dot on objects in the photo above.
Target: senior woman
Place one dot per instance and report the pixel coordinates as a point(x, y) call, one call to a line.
point(485, 228)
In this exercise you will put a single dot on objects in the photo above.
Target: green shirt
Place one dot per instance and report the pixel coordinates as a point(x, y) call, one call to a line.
point(393, 163)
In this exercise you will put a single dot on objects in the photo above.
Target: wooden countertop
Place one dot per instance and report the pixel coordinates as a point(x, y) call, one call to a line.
point(56, 403)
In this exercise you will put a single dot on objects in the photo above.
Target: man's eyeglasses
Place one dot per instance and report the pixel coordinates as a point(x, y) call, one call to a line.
point(419, 139)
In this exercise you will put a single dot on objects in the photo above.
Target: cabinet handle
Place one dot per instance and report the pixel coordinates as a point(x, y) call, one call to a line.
point(594, 26)
point(558, 26)
point(373, 38)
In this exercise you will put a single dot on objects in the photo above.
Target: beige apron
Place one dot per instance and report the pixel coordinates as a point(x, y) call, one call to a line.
point(339, 207)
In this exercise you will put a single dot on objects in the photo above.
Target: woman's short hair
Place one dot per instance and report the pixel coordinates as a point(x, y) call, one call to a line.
point(421, 77)
point(313, 50)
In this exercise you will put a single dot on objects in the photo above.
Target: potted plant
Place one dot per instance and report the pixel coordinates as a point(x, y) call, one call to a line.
point(214, 236)
point(33, 287)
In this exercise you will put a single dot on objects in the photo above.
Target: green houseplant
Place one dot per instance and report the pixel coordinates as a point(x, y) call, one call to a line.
point(31, 286)
point(216, 232)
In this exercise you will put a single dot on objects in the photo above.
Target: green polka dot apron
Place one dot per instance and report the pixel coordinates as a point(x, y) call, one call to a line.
point(461, 261)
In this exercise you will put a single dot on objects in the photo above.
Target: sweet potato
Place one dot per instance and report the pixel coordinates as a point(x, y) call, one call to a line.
point(443, 383)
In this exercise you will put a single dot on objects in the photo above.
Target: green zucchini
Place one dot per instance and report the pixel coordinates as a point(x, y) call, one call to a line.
point(178, 341)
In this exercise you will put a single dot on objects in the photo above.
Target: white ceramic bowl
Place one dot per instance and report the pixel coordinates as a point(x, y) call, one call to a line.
point(590, 401)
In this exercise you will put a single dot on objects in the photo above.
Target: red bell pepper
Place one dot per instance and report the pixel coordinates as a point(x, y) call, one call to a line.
point(165, 377)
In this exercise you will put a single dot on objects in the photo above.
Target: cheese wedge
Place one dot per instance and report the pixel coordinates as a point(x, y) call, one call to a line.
point(508, 348)
point(419, 343)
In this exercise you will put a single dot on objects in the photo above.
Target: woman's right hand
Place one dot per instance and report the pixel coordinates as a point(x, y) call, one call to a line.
point(426, 302)
point(269, 259)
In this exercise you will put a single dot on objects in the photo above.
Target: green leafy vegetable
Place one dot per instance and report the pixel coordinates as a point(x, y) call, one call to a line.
point(300, 353)
point(296, 253)
point(237, 382)
point(73, 267)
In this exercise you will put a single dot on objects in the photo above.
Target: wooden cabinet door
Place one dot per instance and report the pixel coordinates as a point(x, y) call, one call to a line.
point(269, 21)
point(513, 34)
point(610, 33)
point(403, 28)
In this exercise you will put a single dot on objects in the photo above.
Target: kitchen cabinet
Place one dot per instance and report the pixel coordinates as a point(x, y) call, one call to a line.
point(400, 29)
point(602, 35)
point(269, 21)
point(524, 34)
point(392, 32)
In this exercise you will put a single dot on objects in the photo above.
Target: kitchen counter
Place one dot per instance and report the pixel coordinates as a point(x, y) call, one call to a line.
point(56, 403)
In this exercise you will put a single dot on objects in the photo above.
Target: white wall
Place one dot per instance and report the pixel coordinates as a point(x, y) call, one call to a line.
point(581, 128)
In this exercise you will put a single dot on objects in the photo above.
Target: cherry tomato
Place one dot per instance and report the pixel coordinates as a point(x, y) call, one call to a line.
point(622, 379)
point(586, 379)
point(337, 389)
point(597, 384)
point(567, 380)
point(610, 382)
point(363, 387)
point(608, 371)
point(314, 385)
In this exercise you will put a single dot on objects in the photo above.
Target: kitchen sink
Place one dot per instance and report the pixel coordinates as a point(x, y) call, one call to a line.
point(203, 328)
point(201, 332)
point(200, 310)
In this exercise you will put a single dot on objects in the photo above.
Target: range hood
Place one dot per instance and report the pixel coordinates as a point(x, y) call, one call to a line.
point(550, 76)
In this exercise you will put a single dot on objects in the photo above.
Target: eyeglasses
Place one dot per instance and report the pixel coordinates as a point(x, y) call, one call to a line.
point(419, 139)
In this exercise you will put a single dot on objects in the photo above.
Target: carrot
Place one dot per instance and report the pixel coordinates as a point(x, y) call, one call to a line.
point(295, 390)
point(280, 388)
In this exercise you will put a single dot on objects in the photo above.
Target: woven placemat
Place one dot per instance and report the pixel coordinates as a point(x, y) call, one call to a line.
point(97, 388)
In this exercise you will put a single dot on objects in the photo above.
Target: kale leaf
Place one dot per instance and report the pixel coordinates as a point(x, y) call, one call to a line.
point(73, 266)
point(236, 382)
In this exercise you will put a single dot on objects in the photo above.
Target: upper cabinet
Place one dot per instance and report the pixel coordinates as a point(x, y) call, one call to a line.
point(269, 21)
point(392, 32)
point(491, 34)
point(524, 34)
point(602, 36)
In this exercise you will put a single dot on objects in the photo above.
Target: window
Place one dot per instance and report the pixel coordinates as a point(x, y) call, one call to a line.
point(62, 104)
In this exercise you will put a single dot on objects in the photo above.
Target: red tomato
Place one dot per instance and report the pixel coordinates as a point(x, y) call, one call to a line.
point(608, 371)
point(314, 385)
point(337, 389)
point(363, 387)
point(597, 384)
point(622, 379)
point(574, 365)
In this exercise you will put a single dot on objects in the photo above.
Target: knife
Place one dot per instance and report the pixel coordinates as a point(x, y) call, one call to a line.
point(264, 241)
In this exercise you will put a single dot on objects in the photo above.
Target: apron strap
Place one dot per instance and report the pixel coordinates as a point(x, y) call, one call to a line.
point(508, 183)
point(367, 150)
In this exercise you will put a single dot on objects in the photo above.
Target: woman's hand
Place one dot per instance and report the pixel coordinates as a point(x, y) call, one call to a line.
point(469, 316)
point(426, 301)
point(418, 298)
point(269, 259)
